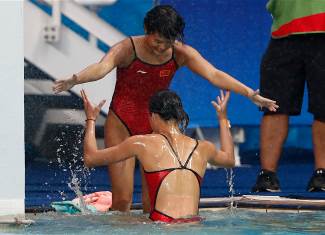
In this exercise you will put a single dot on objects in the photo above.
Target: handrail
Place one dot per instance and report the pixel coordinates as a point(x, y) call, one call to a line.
point(90, 22)
point(95, 2)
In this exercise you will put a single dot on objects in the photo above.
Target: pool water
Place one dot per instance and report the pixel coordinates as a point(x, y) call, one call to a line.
point(221, 221)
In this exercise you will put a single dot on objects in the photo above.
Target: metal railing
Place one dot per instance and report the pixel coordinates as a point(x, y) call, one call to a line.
point(97, 28)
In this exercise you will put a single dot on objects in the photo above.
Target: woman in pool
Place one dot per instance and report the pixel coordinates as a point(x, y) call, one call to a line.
point(146, 64)
point(174, 164)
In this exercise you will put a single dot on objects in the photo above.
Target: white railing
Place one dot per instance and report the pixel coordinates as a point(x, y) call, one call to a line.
point(71, 53)
point(95, 2)
point(88, 20)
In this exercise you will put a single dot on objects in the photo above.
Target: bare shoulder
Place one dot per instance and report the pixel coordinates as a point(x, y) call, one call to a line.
point(154, 138)
point(136, 139)
point(207, 145)
point(202, 144)
point(122, 46)
point(137, 38)
point(135, 144)
point(122, 52)
point(183, 52)
point(126, 42)
point(182, 48)
point(144, 140)
point(141, 145)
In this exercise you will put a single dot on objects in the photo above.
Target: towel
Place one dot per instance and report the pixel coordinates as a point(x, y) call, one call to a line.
point(94, 202)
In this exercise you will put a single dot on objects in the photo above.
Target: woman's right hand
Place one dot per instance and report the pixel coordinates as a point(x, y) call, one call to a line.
point(64, 85)
point(220, 104)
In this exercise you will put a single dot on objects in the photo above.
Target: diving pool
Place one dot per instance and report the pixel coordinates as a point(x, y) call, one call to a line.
point(217, 221)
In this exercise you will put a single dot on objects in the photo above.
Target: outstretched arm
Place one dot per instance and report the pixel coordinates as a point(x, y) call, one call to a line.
point(96, 71)
point(92, 155)
point(225, 156)
point(191, 58)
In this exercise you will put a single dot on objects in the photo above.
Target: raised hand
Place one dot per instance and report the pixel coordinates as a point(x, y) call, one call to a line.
point(91, 111)
point(220, 104)
point(64, 85)
point(260, 101)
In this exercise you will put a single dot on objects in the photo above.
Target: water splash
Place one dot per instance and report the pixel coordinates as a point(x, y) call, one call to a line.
point(230, 180)
point(69, 159)
point(74, 185)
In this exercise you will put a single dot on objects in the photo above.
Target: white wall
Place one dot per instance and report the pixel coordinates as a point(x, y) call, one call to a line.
point(12, 158)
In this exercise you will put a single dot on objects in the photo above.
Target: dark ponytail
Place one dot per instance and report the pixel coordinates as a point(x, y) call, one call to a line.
point(168, 105)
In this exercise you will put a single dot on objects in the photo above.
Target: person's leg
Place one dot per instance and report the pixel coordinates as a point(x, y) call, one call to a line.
point(315, 64)
point(145, 193)
point(315, 70)
point(274, 131)
point(121, 173)
point(282, 79)
point(318, 131)
point(317, 181)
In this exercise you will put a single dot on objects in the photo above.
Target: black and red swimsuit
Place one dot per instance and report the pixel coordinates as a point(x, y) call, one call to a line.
point(135, 85)
point(154, 180)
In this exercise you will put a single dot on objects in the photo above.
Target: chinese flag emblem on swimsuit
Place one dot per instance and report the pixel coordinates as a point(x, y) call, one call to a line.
point(164, 73)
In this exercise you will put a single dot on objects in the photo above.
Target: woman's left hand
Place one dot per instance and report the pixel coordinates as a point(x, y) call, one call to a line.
point(91, 111)
point(260, 101)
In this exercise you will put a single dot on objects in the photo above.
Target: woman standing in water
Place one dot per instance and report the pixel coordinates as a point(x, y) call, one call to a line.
point(174, 164)
point(146, 64)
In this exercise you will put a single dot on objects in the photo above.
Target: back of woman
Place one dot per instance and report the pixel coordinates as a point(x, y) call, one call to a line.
point(174, 174)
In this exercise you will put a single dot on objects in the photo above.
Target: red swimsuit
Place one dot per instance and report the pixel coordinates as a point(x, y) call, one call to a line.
point(135, 85)
point(154, 181)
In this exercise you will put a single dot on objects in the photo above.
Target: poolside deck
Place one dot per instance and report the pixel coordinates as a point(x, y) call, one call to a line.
point(264, 202)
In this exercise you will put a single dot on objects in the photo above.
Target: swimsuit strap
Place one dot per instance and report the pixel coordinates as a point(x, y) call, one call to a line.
point(176, 155)
point(174, 57)
point(190, 156)
point(178, 159)
point(173, 53)
point(135, 52)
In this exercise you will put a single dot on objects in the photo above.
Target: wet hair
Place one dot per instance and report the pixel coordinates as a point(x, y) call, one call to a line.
point(168, 105)
point(164, 20)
